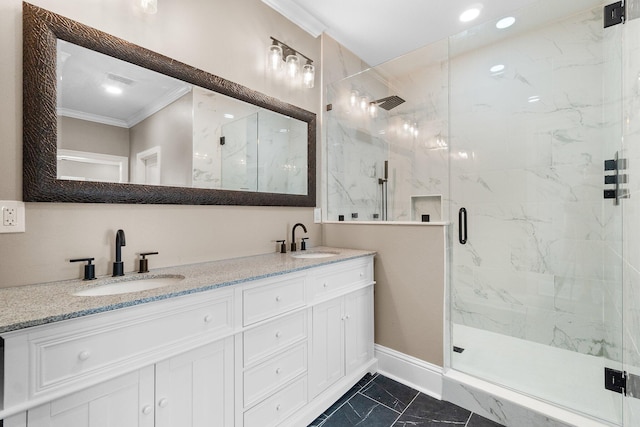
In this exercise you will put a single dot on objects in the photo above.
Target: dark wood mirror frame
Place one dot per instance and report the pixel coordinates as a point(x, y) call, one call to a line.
point(42, 29)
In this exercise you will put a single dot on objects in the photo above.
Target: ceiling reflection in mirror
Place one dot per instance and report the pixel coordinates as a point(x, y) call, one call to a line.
point(118, 122)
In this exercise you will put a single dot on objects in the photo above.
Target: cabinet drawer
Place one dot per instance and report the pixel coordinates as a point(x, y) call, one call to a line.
point(262, 302)
point(339, 278)
point(278, 407)
point(67, 354)
point(269, 376)
point(266, 339)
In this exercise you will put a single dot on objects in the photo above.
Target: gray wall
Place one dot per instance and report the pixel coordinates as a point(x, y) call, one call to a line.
point(83, 135)
point(172, 130)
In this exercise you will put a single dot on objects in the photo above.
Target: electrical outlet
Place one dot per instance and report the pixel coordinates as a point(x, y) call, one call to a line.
point(12, 217)
point(9, 217)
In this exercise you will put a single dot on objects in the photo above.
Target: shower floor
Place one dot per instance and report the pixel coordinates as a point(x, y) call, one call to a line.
point(558, 376)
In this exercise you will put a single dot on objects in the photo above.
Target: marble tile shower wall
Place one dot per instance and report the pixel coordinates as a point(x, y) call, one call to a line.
point(275, 164)
point(527, 150)
point(358, 145)
point(282, 158)
point(206, 138)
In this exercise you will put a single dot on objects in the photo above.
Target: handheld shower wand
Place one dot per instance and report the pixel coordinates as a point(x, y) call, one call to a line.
point(383, 183)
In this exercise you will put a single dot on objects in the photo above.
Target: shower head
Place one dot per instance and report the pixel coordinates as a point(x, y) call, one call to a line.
point(389, 102)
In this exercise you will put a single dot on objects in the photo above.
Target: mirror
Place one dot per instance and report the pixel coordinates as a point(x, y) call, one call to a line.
point(106, 121)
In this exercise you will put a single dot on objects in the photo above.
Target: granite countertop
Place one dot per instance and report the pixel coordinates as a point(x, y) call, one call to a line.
point(33, 305)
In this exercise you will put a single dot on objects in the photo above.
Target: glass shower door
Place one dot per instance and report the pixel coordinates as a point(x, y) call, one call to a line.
point(536, 289)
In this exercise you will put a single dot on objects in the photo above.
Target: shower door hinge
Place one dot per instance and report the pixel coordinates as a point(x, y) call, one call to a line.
point(615, 380)
point(614, 14)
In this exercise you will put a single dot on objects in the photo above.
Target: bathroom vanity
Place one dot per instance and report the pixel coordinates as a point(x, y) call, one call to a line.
point(255, 342)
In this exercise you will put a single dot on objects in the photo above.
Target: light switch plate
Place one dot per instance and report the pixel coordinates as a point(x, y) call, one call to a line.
point(12, 217)
point(317, 215)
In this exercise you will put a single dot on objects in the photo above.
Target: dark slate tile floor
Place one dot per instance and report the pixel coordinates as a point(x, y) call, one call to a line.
point(378, 401)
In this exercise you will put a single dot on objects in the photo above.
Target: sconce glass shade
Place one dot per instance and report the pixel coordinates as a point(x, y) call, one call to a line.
point(353, 98)
point(373, 110)
point(293, 66)
point(274, 57)
point(364, 103)
point(149, 6)
point(308, 75)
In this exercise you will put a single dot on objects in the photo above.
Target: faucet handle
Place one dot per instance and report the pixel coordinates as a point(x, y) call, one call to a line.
point(144, 263)
point(283, 246)
point(89, 269)
point(303, 244)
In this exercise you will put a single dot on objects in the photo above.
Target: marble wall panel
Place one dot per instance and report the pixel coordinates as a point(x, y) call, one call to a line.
point(542, 242)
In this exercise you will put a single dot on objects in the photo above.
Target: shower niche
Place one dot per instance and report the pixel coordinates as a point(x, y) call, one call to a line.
point(426, 208)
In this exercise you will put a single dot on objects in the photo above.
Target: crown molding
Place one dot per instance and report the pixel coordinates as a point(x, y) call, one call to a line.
point(298, 15)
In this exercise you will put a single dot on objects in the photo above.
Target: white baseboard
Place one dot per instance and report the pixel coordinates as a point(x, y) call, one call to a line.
point(423, 376)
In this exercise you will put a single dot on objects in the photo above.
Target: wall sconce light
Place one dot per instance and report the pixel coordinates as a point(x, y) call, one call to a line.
point(355, 95)
point(275, 57)
point(149, 6)
point(280, 53)
point(293, 66)
point(364, 103)
point(308, 75)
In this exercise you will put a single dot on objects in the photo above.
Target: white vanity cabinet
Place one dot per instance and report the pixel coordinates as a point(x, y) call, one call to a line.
point(192, 389)
point(342, 337)
point(146, 366)
point(270, 352)
point(274, 350)
point(124, 401)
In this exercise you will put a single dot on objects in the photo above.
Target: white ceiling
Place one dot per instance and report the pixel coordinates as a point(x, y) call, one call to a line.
point(380, 30)
point(83, 76)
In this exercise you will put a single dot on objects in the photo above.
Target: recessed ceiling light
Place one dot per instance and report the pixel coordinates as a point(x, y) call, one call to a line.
point(497, 68)
point(505, 22)
point(113, 90)
point(470, 14)
point(534, 98)
point(228, 116)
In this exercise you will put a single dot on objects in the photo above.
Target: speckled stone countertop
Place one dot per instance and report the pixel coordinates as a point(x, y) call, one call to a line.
point(32, 305)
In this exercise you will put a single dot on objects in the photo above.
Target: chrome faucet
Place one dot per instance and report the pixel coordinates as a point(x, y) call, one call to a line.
point(118, 265)
point(293, 235)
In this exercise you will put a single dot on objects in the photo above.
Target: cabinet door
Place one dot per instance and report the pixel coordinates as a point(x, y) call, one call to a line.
point(123, 401)
point(358, 328)
point(327, 346)
point(195, 389)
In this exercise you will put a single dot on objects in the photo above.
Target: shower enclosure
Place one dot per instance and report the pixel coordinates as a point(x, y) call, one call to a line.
point(525, 138)
point(536, 289)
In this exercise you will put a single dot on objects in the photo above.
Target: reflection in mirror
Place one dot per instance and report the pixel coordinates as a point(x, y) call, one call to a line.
point(171, 143)
point(114, 115)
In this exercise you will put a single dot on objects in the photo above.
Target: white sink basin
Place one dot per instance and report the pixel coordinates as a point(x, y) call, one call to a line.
point(313, 254)
point(127, 286)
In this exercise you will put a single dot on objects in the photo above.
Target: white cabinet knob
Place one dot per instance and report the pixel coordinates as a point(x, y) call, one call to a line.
point(146, 410)
point(84, 355)
point(348, 316)
point(277, 371)
point(163, 402)
point(277, 407)
point(362, 274)
point(278, 298)
point(278, 334)
point(208, 318)
point(324, 285)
